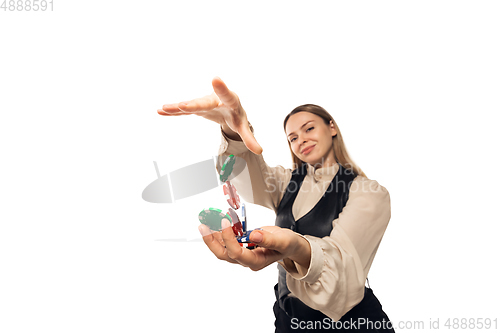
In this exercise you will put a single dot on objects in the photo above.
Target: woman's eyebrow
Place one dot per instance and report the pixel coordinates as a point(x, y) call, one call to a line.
point(301, 127)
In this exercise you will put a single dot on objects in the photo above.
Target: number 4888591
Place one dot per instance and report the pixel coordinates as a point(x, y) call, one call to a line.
point(27, 5)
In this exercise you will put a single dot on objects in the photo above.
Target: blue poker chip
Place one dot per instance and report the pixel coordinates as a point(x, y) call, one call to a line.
point(212, 218)
point(244, 217)
point(245, 238)
point(245, 241)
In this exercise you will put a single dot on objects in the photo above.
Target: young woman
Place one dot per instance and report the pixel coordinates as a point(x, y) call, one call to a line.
point(330, 218)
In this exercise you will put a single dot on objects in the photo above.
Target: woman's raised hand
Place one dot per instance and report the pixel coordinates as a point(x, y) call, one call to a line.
point(223, 107)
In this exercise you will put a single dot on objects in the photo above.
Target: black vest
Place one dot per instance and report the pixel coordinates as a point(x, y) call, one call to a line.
point(317, 222)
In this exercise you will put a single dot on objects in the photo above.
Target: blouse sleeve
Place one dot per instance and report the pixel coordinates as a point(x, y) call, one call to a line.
point(258, 183)
point(334, 282)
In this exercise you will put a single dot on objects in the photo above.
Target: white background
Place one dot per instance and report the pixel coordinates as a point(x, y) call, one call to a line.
point(414, 87)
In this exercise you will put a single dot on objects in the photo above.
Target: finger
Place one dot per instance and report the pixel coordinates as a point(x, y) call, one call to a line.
point(254, 259)
point(249, 140)
point(174, 109)
point(231, 100)
point(214, 245)
point(233, 248)
point(200, 104)
point(218, 237)
point(225, 95)
point(265, 257)
point(181, 113)
point(275, 239)
point(178, 113)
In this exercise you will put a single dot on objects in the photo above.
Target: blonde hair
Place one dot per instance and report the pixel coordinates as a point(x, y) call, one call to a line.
point(339, 150)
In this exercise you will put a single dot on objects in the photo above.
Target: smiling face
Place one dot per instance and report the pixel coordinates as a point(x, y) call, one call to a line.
point(311, 139)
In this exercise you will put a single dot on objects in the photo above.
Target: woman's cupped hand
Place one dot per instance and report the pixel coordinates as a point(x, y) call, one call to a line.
point(274, 244)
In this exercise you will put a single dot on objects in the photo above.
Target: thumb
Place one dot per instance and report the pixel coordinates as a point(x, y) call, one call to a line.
point(263, 238)
point(225, 95)
point(249, 139)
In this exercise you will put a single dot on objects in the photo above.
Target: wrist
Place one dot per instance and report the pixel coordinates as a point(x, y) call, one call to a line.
point(230, 133)
point(301, 253)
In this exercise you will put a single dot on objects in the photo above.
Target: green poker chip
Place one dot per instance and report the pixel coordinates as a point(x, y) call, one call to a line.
point(227, 168)
point(212, 218)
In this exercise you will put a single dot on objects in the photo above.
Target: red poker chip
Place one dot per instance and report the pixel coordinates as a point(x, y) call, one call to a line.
point(233, 199)
point(237, 225)
point(238, 229)
point(249, 246)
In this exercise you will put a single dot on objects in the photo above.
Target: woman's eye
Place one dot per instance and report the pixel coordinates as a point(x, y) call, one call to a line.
point(310, 128)
point(292, 139)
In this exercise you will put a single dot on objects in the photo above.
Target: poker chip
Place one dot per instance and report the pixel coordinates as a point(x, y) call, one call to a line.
point(238, 229)
point(233, 199)
point(227, 168)
point(237, 226)
point(244, 217)
point(249, 246)
point(212, 218)
point(245, 241)
point(245, 238)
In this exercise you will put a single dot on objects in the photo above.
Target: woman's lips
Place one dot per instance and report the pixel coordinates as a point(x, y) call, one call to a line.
point(308, 149)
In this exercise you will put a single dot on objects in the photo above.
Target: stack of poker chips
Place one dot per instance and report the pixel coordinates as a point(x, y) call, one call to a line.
point(212, 217)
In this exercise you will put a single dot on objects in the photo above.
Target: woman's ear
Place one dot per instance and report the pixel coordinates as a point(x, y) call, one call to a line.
point(333, 130)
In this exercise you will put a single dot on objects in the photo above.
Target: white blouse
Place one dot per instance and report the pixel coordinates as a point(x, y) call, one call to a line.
point(335, 280)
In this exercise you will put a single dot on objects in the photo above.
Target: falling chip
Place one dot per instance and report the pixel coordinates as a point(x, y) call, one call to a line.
point(235, 166)
point(212, 218)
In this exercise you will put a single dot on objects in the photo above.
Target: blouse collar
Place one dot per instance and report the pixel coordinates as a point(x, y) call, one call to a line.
point(323, 174)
